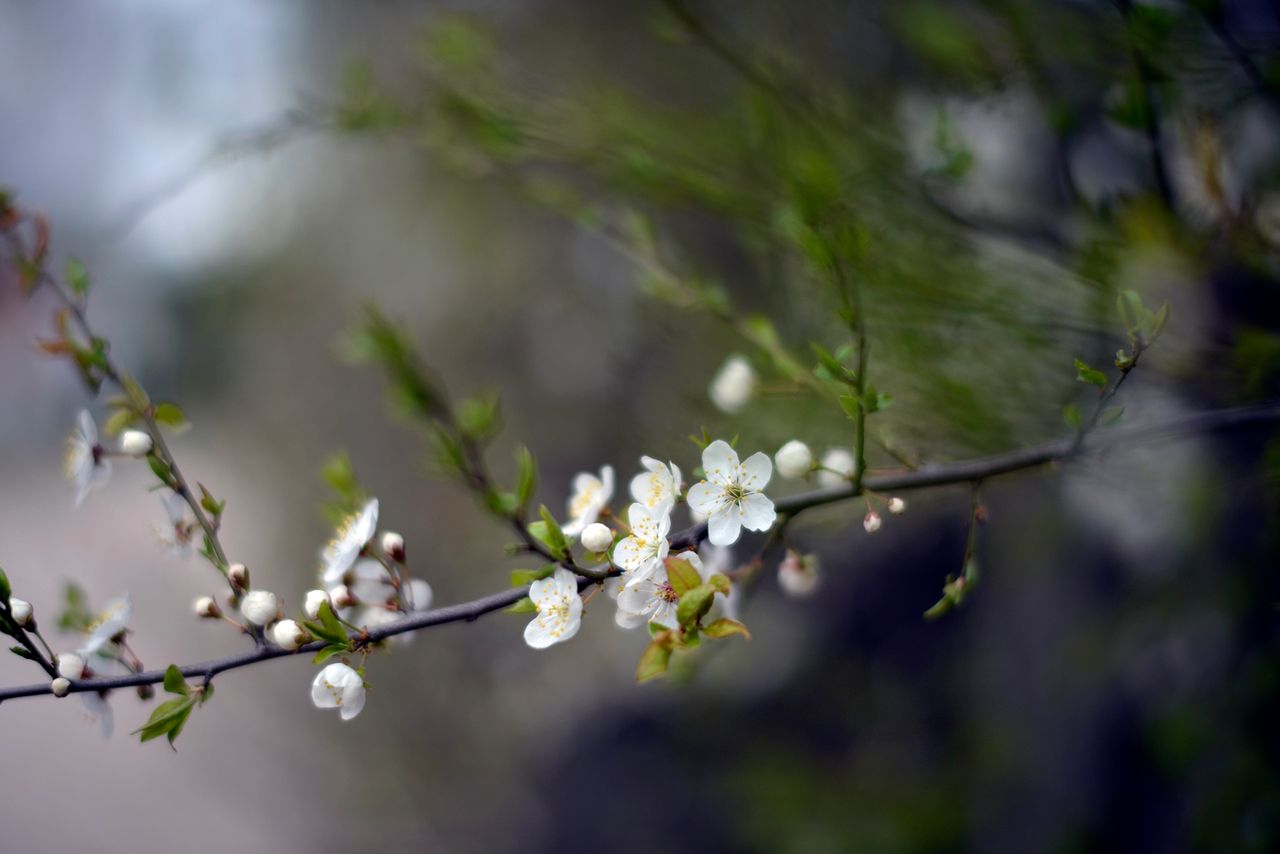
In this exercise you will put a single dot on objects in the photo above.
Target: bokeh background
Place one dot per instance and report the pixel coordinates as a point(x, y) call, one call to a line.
point(240, 178)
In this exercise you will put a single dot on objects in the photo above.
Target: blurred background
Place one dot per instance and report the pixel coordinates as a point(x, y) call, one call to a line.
point(584, 208)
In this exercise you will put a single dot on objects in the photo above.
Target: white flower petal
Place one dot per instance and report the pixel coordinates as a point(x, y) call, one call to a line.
point(754, 474)
point(628, 554)
point(720, 462)
point(706, 498)
point(757, 513)
point(724, 528)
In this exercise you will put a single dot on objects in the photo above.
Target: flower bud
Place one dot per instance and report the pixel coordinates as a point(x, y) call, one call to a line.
point(238, 574)
point(288, 635)
point(311, 605)
point(794, 459)
point(871, 522)
point(342, 597)
point(206, 607)
point(733, 385)
point(897, 506)
point(597, 537)
point(135, 443)
point(21, 611)
point(419, 594)
point(60, 686)
point(393, 546)
point(146, 692)
point(259, 607)
point(70, 665)
point(838, 467)
point(797, 575)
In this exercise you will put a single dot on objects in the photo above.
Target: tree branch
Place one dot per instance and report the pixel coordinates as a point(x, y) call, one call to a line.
point(926, 477)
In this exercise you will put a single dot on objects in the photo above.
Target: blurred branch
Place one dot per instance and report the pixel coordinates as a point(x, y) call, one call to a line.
point(923, 478)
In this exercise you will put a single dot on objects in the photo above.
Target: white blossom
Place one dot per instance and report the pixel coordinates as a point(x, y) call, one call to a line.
point(311, 605)
point(135, 443)
point(112, 622)
point(559, 610)
point(733, 384)
point(71, 665)
point(419, 595)
point(340, 596)
point(21, 611)
point(641, 552)
point(180, 534)
point(871, 522)
point(731, 495)
point(339, 687)
point(353, 535)
point(653, 600)
point(97, 710)
point(259, 607)
point(597, 537)
point(207, 607)
point(659, 485)
point(897, 506)
point(393, 546)
point(238, 575)
point(60, 686)
point(85, 463)
point(794, 459)
point(288, 635)
point(590, 495)
point(798, 575)
point(837, 467)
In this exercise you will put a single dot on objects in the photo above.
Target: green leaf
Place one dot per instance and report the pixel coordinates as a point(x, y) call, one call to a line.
point(501, 504)
point(525, 577)
point(523, 606)
point(168, 719)
point(171, 415)
point(1093, 376)
point(653, 662)
point(939, 608)
point(694, 604)
point(528, 479)
point(160, 468)
point(175, 682)
point(1157, 323)
point(720, 583)
point(76, 617)
point(832, 366)
point(549, 533)
point(849, 403)
point(6, 590)
point(1071, 414)
point(77, 278)
point(118, 421)
point(725, 628)
point(681, 575)
point(332, 628)
point(1123, 360)
point(329, 652)
point(22, 652)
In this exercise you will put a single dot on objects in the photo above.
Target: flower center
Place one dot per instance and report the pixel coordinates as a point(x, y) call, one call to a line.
point(735, 493)
point(667, 593)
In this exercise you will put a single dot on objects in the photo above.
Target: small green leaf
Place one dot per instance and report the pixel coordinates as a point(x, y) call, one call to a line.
point(549, 533)
point(525, 577)
point(77, 278)
point(1093, 376)
point(501, 504)
point(939, 608)
point(720, 583)
point(523, 606)
point(849, 403)
point(175, 682)
point(329, 652)
point(332, 626)
point(681, 575)
point(1071, 414)
point(694, 604)
point(653, 662)
point(168, 719)
point(118, 422)
point(6, 590)
point(527, 483)
point(478, 418)
point(22, 652)
point(725, 628)
point(160, 468)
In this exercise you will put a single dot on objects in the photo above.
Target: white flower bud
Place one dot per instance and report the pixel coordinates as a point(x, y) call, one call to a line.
point(838, 467)
point(288, 635)
point(597, 537)
point(897, 506)
point(60, 686)
point(135, 443)
point(206, 607)
point(393, 546)
point(238, 574)
point(794, 459)
point(341, 596)
point(797, 575)
point(70, 665)
point(311, 605)
point(733, 385)
point(420, 594)
point(21, 611)
point(871, 522)
point(259, 607)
